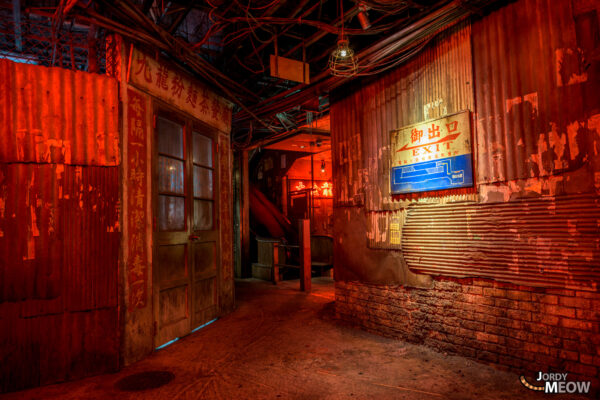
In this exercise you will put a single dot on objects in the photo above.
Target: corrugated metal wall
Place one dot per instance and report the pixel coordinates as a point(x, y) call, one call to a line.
point(58, 116)
point(435, 83)
point(529, 74)
point(543, 241)
point(59, 225)
point(536, 92)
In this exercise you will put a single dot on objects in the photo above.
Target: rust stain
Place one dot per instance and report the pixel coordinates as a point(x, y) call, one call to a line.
point(36, 126)
point(524, 242)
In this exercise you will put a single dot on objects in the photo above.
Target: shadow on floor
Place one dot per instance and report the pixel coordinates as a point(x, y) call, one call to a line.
point(281, 343)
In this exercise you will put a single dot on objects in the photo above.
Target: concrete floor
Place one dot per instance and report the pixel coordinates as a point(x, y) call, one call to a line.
point(282, 343)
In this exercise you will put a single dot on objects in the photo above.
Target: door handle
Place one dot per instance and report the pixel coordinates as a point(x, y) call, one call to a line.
point(194, 237)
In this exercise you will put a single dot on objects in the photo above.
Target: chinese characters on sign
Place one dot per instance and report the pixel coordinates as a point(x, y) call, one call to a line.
point(179, 89)
point(137, 267)
point(320, 188)
point(433, 155)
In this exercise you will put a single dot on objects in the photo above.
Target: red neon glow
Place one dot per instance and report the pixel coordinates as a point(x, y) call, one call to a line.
point(320, 188)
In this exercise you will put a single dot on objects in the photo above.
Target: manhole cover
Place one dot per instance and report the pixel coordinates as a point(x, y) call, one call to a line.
point(144, 380)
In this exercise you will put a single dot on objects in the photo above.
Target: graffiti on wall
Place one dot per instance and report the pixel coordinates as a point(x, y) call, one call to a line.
point(433, 155)
point(137, 185)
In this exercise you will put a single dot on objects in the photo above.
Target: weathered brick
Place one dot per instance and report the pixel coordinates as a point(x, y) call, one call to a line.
point(506, 303)
point(472, 290)
point(590, 315)
point(473, 325)
point(544, 298)
point(569, 355)
point(518, 295)
point(546, 361)
point(586, 370)
point(494, 292)
point(486, 337)
point(558, 310)
point(586, 359)
point(545, 319)
point(496, 330)
point(549, 341)
point(499, 323)
point(576, 302)
point(576, 324)
point(561, 292)
point(519, 314)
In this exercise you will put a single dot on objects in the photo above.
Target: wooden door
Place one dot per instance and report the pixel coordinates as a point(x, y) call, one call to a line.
point(205, 251)
point(186, 246)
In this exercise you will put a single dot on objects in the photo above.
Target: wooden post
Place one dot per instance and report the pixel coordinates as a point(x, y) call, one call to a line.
point(245, 217)
point(275, 262)
point(305, 261)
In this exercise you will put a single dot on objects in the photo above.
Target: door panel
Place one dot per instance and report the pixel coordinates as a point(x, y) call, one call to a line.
point(205, 259)
point(205, 253)
point(172, 261)
point(174, 280)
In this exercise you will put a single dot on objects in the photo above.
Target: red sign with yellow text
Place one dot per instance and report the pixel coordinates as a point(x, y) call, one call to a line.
point(432, 155)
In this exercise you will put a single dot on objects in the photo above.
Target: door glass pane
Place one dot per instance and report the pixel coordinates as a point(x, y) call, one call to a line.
point(203, 182)
point(171, 213)
point(203, 215)
point(202, 147)
point(170, 175)
point(170, 137)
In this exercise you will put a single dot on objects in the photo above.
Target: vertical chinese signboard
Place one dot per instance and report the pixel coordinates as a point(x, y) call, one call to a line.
point(434, 155)
point(180, 90)
point(137, 185)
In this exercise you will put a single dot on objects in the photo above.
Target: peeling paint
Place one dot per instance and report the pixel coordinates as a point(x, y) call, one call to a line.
point(572, 131)
point(570, 66)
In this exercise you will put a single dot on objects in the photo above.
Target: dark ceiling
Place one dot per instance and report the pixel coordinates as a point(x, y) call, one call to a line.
point(229, 44)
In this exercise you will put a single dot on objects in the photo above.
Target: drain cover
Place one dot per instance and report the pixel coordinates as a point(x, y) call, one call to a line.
point(144, 380)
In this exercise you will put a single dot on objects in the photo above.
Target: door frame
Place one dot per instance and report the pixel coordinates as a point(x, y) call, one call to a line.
point(190, 124)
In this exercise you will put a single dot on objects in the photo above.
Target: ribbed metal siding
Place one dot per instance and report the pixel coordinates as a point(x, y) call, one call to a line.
point(545, 241)
point(53, 115)
point(347, 153)
point(436, 82)
point(535, 96)
point(59, 225)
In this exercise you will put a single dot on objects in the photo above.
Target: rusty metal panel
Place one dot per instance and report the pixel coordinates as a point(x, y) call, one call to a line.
point(536, 88)
point(59, 248)
point(54, 115)
point(550, 242)
point(384, 229)
point(347, 152)
point(59, 233)
point(436, 82)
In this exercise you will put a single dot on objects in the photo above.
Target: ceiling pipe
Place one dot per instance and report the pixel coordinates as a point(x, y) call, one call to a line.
point(407, 38)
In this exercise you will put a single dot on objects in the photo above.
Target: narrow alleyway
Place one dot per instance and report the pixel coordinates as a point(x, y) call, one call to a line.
point(282, 343)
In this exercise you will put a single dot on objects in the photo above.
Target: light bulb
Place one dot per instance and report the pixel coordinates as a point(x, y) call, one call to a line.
point(343, 53)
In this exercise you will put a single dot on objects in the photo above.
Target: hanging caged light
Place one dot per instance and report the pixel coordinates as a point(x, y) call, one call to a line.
point(342, 61)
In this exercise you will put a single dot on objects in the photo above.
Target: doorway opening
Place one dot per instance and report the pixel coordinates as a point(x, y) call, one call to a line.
point(290, 183)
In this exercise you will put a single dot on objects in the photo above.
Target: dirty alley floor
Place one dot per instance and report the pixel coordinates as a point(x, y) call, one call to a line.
point(283, 344)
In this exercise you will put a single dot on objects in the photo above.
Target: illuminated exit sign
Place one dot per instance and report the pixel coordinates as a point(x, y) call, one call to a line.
point(432, 155)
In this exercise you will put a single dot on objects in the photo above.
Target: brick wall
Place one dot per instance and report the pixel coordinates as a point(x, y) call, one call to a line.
point(520, 328)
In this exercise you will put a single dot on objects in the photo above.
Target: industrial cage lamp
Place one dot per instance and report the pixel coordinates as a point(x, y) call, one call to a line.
point(342, 61)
